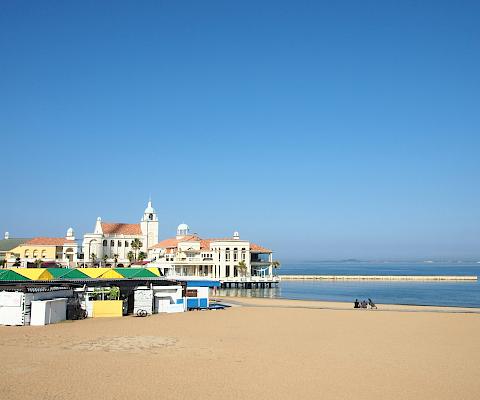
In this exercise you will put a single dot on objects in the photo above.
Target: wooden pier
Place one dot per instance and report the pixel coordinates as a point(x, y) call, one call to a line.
point(380, 277)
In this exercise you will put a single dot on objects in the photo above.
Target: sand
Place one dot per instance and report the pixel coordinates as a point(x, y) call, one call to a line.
point(271, 349)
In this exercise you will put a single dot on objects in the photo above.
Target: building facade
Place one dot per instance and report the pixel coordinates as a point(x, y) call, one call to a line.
point(219, 258)
point(7, 244)
point(45, 249)
point(114, 239)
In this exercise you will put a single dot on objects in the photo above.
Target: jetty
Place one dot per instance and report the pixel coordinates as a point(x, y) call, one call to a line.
point(379, 277)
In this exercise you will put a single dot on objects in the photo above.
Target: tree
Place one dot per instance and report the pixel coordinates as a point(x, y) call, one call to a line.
point(38, 262)
point(130, 256)
point(115, 260)
point(136, 245)
point(142, 256)
point(242, 268)
point(93, 256)
point(275, 264)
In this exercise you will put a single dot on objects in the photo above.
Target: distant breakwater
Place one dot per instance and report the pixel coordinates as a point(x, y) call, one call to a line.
point(380, 277)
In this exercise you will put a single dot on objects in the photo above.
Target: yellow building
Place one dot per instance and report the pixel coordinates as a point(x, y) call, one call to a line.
point(62, 250)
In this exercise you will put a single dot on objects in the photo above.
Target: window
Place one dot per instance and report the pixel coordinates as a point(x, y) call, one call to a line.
point(27, 253)
point(235, 255)
point(126, 243)
point(104, 243)
point(112, 243)
point(44, 253)
point(35, 253)
point(243, 256)
point(227, 256)
point(119, 244)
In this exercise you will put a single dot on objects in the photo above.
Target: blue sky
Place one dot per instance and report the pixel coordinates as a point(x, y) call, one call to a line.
point(320, 129)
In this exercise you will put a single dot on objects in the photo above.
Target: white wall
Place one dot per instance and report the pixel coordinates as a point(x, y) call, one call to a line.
point(44, 312)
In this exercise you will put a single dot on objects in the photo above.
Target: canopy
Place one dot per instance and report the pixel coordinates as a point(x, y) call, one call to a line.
point(74, 274)
point(154, 270)
point(57, 272)
point(9, 275)
point(35, 274)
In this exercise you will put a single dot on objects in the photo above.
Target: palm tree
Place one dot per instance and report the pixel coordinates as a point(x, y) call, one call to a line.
point(275, 264)
point(115, 260)
point(93, 256)
point(136, 245)
point(242, 267)
point(38, 262)
point(142, 256)
point(130, 256)
point(105, 258)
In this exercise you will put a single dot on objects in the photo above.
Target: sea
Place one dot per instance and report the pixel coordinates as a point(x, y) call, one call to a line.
point(437, 293)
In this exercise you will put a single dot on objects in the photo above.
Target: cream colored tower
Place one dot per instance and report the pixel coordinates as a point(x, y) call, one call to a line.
point(149, 225)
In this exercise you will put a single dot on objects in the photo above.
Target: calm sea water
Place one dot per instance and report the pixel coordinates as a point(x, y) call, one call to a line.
point(461, 294)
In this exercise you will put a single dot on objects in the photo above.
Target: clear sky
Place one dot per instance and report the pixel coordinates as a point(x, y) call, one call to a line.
point(320, 129)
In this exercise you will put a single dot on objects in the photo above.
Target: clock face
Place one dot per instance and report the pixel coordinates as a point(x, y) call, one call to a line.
point(150, 217)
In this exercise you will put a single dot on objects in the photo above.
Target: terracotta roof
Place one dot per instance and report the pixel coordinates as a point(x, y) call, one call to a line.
point(204, 243)
point(173, 242)
point(48, 241)
point(119, 228)
point(255, 248)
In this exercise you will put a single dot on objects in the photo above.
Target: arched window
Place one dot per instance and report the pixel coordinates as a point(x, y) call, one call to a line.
point(27, 253)
point(35, 253)
point(44, 253)
point(119, 244)
point(104, 243)
point(112, 243)
point(126, 243)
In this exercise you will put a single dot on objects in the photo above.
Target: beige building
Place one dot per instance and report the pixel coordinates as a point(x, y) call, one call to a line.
point(220, 258)
point(55, 249)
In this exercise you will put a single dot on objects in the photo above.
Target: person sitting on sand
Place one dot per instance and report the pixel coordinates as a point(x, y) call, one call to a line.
point(363, 304)
point(356, 304)
point(371, 303)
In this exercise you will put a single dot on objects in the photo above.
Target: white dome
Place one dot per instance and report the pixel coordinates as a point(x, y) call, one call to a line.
point(70, 231)
point(183, 227)
point(149, 209)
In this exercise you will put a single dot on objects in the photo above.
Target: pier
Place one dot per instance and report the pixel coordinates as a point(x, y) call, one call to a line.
point(251, 282)
point(380, 277)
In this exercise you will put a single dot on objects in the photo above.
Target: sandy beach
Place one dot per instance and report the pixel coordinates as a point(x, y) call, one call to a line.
point(262, 348)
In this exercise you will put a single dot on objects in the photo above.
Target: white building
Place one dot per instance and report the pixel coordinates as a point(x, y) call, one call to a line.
point(191, 255)
point(115, 238)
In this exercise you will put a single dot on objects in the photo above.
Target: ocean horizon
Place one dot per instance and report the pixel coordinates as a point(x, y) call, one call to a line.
point(441, 293)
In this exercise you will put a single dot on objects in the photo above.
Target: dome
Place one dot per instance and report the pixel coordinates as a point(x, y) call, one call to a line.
point(70, 231)
point(183, 227)
point(182, 230)
point(149, 209)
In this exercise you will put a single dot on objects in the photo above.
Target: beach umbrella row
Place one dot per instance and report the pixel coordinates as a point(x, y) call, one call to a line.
point(48, 274)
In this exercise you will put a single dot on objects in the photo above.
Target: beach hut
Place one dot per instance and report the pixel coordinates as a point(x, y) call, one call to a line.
point(16, 305)
point(35, 274)
point(197, 292)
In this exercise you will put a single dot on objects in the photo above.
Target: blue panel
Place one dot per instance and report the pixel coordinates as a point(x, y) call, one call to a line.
point(203, 303)
point(179, 301)
point(192, 302)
